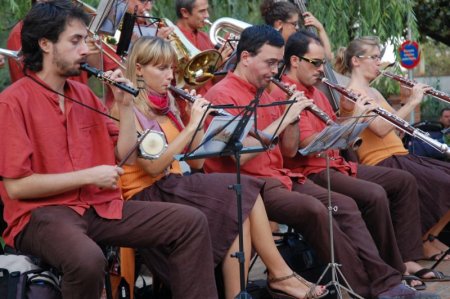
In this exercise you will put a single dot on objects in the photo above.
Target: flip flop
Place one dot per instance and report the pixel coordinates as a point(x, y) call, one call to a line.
point(438, 275)
point(409, 278)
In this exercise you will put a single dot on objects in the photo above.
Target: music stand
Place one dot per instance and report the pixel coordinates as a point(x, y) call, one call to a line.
point(232, 147)
point(336, 136)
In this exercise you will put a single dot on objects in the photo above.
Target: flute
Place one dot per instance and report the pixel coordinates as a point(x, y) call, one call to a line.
point(314, 109)
point(100, 75)
point(265, 138)
point(409, 83)
point(394, 120)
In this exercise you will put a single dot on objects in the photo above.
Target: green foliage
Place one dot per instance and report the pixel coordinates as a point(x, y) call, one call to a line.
point(436, 56)
point(343, 19)
point(434, 16)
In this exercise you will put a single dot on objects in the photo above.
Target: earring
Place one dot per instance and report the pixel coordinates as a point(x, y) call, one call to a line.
point(140, 82)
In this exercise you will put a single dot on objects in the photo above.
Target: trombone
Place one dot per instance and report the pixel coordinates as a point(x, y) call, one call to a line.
point(11, 54)
point(109, 49)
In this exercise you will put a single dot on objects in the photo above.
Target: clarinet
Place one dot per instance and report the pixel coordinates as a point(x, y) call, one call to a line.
point(100, 75)
point(191, 99)
point(395, 120)
point(409, 83)
point(314, 109)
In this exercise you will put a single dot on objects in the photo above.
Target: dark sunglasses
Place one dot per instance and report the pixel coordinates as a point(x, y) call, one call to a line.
point(315, 62)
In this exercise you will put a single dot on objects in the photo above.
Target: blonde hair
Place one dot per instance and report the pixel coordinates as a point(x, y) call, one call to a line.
point(150, 51)
point(357, 47)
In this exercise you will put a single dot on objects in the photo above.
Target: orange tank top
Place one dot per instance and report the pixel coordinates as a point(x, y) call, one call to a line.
point(375, 149)
point(135, 179)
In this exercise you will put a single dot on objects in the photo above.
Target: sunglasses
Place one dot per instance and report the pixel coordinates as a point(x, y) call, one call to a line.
point(315, 62)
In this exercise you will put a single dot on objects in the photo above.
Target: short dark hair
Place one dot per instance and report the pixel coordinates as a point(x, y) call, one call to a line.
point(254, 37)
point(298, 44)
point(188, 4)
point(272, 10)
point(443, 110)
point(46, 20)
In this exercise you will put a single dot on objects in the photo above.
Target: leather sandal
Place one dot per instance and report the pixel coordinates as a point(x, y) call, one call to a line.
point(311, 294)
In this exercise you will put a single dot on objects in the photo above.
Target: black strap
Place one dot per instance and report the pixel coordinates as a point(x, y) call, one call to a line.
point(13, 282)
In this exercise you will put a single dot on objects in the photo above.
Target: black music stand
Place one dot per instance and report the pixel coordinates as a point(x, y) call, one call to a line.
point(336, 136)
point(233, 147)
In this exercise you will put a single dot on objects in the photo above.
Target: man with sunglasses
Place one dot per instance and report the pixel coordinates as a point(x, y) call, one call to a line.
point(377, 191)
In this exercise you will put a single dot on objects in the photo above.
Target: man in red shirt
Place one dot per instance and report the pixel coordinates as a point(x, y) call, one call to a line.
point(57, 163)
point(191, 16)
point(369, 186)
point(288, 197)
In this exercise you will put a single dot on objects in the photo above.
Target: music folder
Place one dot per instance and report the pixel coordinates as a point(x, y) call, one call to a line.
point(217, 137)
point(336, 136)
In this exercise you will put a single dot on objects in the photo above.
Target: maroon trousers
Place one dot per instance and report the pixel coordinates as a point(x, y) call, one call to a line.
point(70, 242)
point(376, 189)
point(433, 182)
point(305, 210)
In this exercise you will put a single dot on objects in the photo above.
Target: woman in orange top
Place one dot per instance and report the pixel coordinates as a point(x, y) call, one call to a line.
point(381, 145)
point(150, 68)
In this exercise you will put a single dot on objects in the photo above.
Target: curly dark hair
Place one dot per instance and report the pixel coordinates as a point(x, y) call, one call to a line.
point(46, 20)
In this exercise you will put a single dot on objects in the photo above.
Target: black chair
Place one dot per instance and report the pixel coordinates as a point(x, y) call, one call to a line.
point(420, 148)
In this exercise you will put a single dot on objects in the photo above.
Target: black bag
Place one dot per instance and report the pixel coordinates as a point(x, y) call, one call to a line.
point(32, 284)
point(299, 256)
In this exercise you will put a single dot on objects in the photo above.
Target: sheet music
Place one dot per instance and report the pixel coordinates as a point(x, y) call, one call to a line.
point(336, 136)
point(215, 142)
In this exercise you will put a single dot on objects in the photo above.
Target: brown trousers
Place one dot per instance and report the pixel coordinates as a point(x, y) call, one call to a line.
point(305, 210)
point(376, 189)
point(433, 183)
point(70, 242)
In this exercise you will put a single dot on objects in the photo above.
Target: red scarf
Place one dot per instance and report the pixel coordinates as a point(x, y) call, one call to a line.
point(161, 105)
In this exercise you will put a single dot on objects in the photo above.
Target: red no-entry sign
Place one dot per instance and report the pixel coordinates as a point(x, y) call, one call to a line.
point(409, 54)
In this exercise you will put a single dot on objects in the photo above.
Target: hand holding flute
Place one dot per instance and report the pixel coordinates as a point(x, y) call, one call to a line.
point(266, 139)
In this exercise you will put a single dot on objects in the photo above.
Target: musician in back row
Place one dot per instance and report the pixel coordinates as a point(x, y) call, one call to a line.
point(192, 16)
point(57, 162)
point(382, 147)
point(284, 16)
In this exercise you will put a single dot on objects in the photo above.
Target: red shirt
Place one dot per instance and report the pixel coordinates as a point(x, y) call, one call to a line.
point(198, 38)
point(37, 137)
point(13, 43)
point(309, 125)
point(234, 90)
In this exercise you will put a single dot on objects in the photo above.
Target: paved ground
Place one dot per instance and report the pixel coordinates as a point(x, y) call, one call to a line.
point(441, 288)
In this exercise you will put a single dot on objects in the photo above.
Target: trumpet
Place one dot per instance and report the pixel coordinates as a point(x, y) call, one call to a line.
point(409, 83)
point(314, 109)
point(395, 120)
point(11, 54)
point(265, 138)
point(100, 75)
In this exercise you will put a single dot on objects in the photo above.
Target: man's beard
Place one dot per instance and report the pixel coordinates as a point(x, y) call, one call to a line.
point(63, 66)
